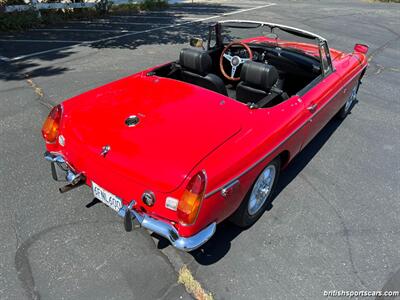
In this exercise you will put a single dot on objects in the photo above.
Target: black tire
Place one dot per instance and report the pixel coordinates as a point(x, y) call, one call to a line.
point(241, 217)
point(346, 108)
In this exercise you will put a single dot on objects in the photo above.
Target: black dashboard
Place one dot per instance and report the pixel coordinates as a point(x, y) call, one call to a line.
point(287, 61)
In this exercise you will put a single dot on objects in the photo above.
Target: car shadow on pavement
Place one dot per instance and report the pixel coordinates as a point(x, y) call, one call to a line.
point(219, 245)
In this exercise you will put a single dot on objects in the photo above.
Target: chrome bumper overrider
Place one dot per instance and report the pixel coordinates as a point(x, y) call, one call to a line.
point(160, 227)
point(169, 232)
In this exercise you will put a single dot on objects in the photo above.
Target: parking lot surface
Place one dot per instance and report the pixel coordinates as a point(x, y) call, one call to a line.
point(333, 226)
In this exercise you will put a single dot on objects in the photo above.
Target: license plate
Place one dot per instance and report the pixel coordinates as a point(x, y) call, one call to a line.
point(106, 197)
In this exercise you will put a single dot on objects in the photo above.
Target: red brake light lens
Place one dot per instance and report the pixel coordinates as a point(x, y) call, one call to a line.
point(361, 48)
point(189, 204)
point(51, 125)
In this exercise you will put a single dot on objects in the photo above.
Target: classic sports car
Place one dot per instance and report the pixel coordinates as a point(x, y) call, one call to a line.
point(182, 146)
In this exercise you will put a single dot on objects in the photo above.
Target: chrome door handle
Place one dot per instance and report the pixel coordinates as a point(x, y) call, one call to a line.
point(312, 107)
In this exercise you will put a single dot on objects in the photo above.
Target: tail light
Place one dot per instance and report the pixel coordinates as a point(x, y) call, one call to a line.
point(189, 204)
point(51, 125)
point(361, 48)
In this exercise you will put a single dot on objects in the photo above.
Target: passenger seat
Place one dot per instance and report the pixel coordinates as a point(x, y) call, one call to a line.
point(257, 80)
point(196, 65)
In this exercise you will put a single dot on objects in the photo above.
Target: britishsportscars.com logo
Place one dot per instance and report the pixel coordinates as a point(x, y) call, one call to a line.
point(351, 294)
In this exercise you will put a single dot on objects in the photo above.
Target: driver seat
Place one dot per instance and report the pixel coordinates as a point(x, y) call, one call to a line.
point(196, 66)
point(258, 80)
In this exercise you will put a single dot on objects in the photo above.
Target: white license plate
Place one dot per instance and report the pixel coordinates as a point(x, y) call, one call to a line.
point(106, 197)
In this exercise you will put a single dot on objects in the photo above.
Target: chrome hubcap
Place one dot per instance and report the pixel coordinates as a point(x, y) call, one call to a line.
point(351, 99)
point(261, 190)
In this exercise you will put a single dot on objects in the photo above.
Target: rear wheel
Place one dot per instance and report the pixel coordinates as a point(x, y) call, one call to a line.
point(259, 196)
point(344, 111)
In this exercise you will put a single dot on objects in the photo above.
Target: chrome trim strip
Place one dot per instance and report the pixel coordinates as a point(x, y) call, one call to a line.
point(225, 190)
point(301, 31)
point(280, 144)
point(169, 232)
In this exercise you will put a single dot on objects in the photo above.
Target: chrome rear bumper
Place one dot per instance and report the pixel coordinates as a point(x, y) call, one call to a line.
point(162, 228)
point(169, 232)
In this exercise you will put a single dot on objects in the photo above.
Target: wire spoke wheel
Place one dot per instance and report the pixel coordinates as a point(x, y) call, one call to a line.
point(351, 99)
point(261, 190)
point(259, 196)
point(348, 105)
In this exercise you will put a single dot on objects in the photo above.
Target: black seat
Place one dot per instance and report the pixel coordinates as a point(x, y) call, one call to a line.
point(196, 66)
point(257, 80)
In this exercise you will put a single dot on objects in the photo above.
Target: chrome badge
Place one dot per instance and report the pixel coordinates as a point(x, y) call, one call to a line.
point(149, 198)
point(132, 121)
point(105, 150)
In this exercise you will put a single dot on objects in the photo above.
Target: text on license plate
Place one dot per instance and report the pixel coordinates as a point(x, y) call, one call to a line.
point(106, 197)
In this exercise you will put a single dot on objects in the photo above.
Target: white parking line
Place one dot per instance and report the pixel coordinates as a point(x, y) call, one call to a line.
point(246, 9)
point(44, 41)
point(3, 58)
point(111, 23)
point(180, 11)
point(186, 9)
point(138, 32)
point(171, 17)
point(83, 30)
point(207, 8)
point(154, 17)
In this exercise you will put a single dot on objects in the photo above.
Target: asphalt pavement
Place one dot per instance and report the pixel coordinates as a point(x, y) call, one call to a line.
point(333, 226)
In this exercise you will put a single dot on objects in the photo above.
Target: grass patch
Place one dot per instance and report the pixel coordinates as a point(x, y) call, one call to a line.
point(192, 286)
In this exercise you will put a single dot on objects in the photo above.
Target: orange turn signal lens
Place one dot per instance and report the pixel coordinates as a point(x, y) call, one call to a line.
point(52, 124)
point(189, 204)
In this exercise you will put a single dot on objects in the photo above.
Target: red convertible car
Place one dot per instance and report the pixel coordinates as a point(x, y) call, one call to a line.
point(183, 146)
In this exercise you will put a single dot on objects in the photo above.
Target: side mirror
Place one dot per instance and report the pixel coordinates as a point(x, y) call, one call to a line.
point(361, 48)
point(196, 42)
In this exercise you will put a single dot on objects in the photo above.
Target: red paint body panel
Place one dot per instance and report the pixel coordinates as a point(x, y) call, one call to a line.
point(184, 129)
point(173, 134)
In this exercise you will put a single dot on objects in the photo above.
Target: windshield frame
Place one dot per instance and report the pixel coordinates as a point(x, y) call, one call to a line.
point(293, 30)
point(322, 43)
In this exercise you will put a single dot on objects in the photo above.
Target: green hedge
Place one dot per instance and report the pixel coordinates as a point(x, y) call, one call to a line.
point(153, 4)
point(19, 20)
point(29, 19)
point(144, 5)
point(11, 2)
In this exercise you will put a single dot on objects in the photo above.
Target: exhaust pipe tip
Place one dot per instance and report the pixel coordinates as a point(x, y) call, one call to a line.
point(77, 181)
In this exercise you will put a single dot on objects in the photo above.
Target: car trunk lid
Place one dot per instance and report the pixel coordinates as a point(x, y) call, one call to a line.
point(177, 125)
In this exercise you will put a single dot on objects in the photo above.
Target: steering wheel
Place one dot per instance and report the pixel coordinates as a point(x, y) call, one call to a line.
point(235, 60)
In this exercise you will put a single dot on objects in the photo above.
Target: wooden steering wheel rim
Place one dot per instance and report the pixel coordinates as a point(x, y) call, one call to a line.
point(221, 59)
